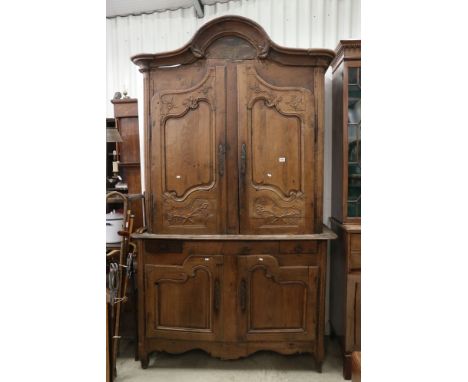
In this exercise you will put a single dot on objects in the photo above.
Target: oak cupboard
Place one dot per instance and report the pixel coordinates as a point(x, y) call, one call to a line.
point(234, 257)
point(232, 296)
point(345, 259)
point(234, 134)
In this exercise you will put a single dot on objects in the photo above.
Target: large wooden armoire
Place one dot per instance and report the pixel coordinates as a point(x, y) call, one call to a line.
point(234, 257)
point(345, 259)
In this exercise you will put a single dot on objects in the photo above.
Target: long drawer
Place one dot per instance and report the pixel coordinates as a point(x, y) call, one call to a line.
point(354, 251)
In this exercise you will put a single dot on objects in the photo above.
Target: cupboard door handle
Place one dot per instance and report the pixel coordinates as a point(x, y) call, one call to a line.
point(217, 295)
point(221, 156)
point(242, 294)
point(243, 158)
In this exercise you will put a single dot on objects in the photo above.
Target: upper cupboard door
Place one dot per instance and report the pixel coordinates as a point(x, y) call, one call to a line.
point(276, 151)
point(188, 157)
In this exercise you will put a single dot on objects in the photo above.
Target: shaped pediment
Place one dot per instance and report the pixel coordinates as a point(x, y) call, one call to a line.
point(233, 37)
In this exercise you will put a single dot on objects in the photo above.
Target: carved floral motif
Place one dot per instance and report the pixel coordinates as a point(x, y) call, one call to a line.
point(168, 103)
point(197, 52)
point(295, 102)
point(206, 89)
point(177, 102)
point(255, 88)
point(263, 50)
point(273, 213)
point(196, 213)
point(191, 102)
point(291, 100)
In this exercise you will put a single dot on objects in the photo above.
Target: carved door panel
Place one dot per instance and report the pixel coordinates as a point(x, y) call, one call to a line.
point(276, 151)
point(184, 302)
point(353, 312)
point(187, 157)
point(276, 303)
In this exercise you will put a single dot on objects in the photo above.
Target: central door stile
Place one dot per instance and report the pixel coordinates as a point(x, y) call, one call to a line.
point(241, 145)
point(221, 145)
point(232, 170)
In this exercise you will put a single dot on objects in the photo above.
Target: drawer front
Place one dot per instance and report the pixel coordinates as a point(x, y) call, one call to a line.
point(298, 246)
point(353, 313)
point(354, 253)
point(355, 260)
point(355, 239)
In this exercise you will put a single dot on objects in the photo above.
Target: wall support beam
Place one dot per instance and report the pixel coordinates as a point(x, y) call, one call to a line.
point(199, 8)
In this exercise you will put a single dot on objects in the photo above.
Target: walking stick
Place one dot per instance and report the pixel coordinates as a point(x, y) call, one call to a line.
point(122, 291)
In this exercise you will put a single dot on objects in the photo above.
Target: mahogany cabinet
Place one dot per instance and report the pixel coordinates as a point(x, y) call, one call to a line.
point(234, 257)
point(345, 259)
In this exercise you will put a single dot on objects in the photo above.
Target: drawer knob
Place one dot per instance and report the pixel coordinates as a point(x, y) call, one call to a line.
point(298, 248)
point(207, 259)
point(260, 259)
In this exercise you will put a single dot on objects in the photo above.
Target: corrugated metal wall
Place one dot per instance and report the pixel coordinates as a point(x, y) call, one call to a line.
point(292, 23)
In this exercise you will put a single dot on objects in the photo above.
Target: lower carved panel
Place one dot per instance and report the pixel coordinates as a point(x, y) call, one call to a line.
point(269, 214)
point(193, 214)
point(274, 214)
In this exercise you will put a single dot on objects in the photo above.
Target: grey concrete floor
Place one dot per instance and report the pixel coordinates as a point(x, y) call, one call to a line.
point(197, 366)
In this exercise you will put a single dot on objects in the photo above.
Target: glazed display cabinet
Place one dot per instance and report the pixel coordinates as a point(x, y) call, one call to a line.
point(345, 267)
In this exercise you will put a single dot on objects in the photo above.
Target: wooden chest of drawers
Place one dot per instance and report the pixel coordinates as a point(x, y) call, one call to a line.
point(345, 289)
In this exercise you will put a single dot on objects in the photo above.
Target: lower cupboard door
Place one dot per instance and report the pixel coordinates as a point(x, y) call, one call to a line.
point(277, 303)
point(184, 301)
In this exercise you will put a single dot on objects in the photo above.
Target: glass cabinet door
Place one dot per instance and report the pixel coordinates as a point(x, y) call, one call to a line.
point(354, 142)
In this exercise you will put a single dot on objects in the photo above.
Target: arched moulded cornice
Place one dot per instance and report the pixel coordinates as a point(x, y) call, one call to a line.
point(240, 27)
